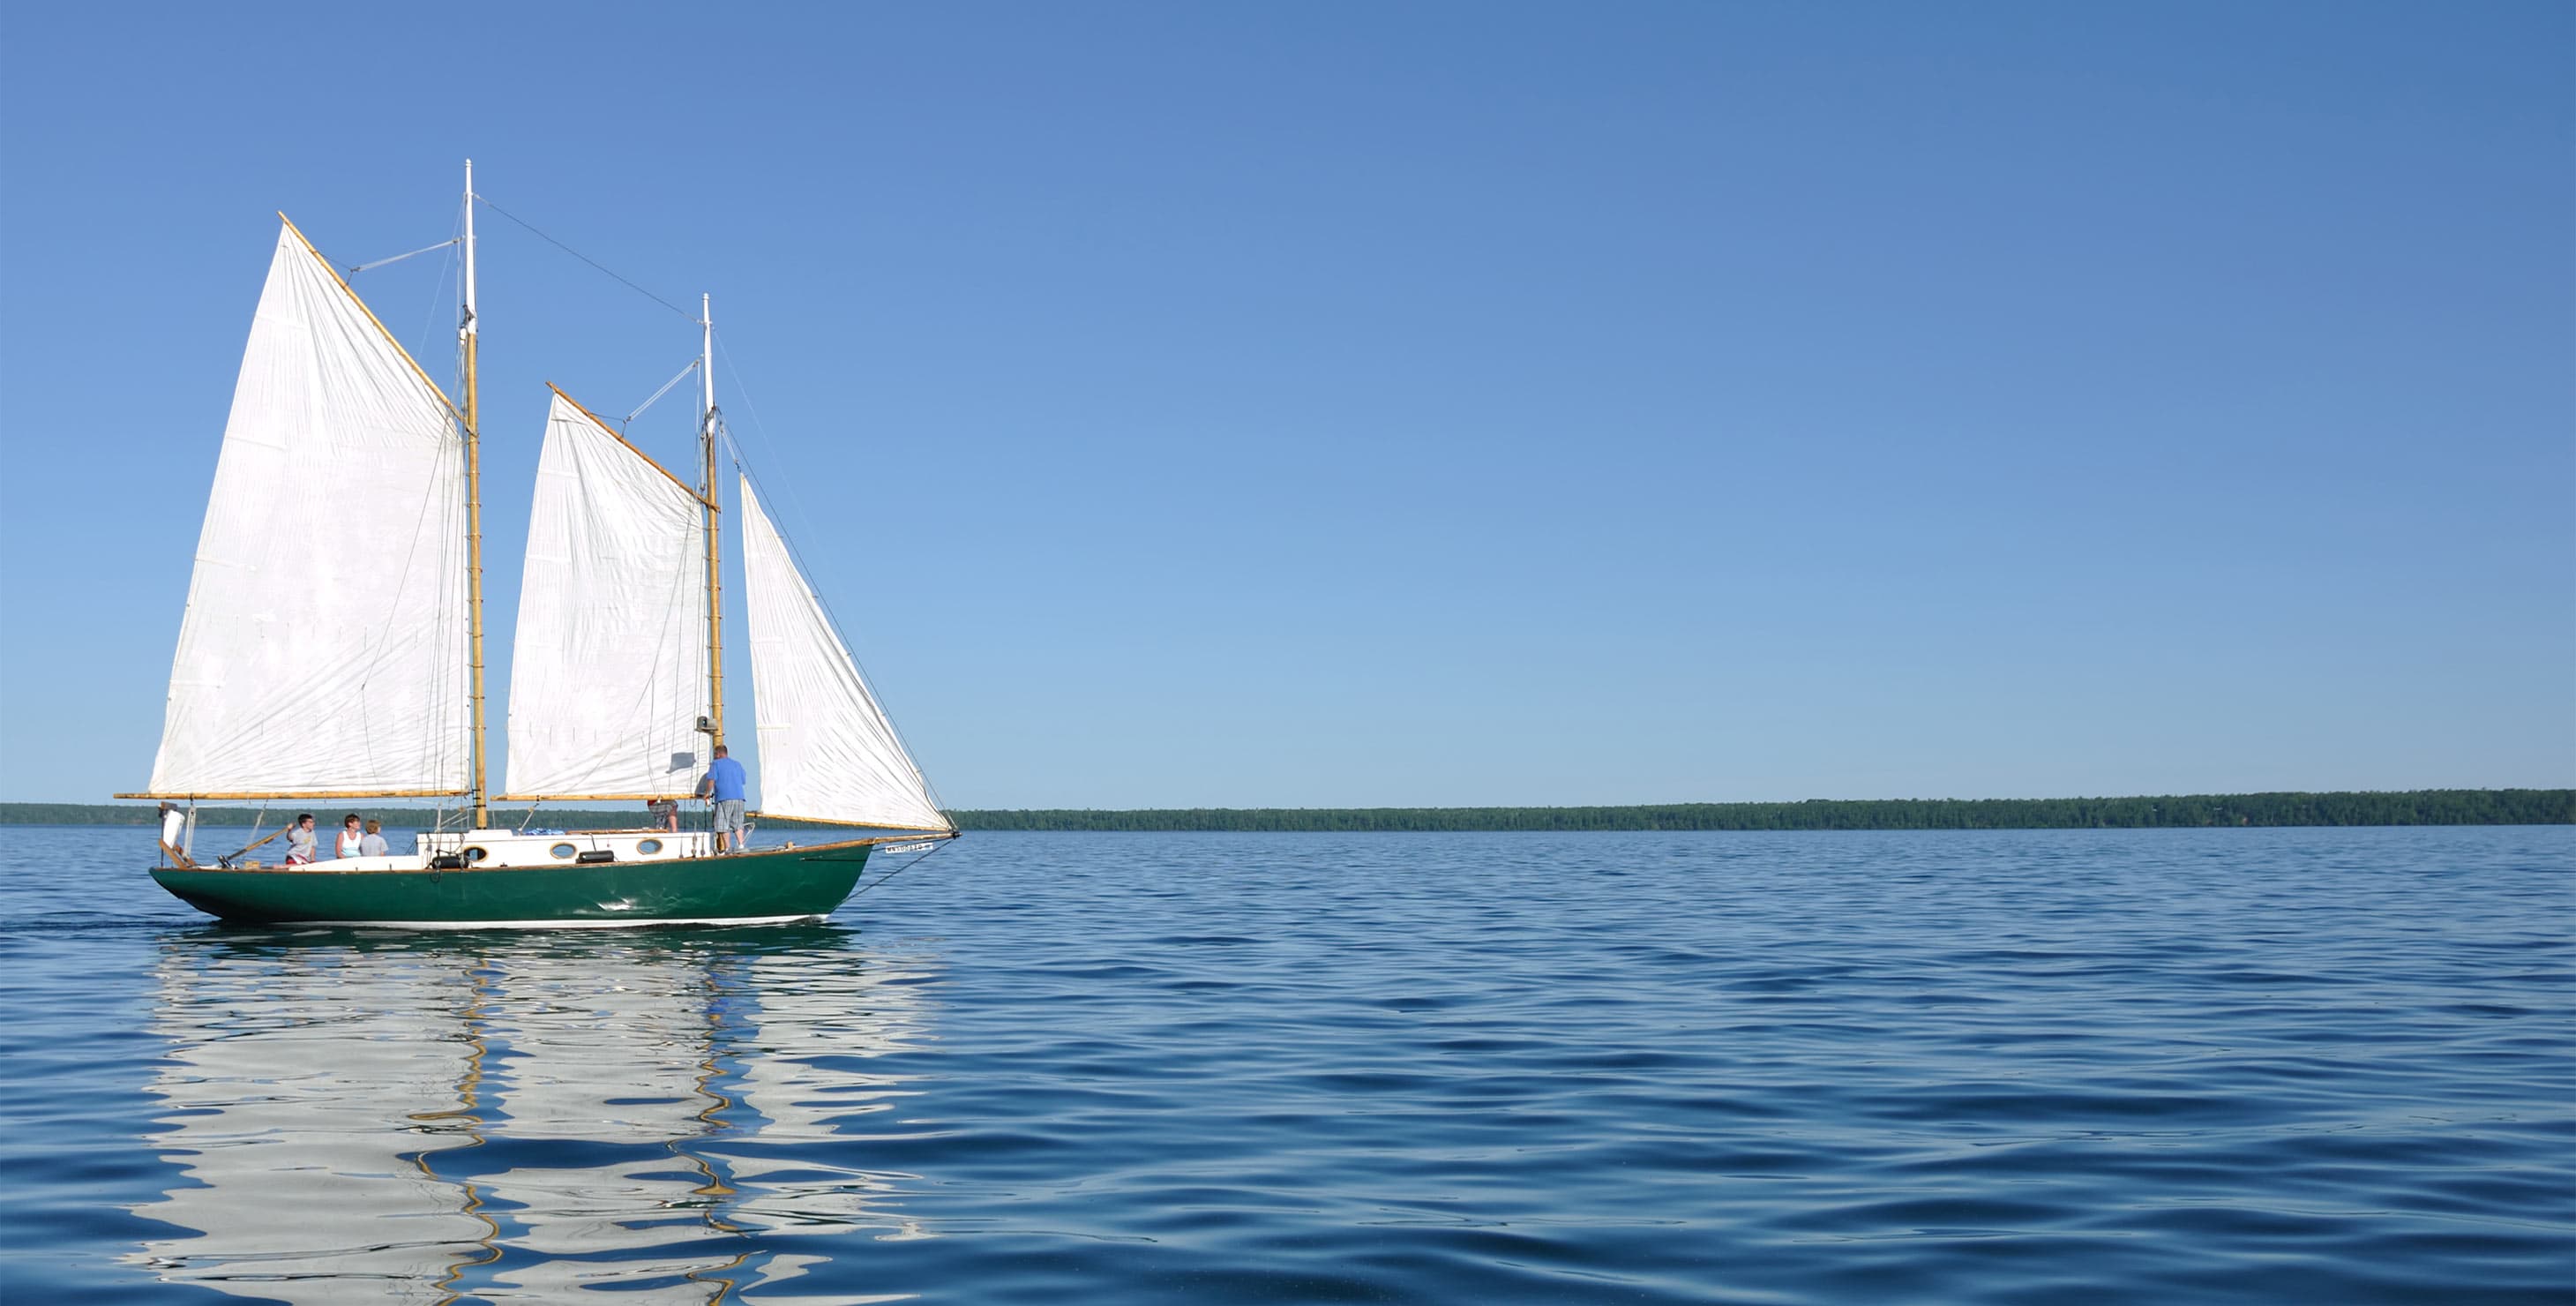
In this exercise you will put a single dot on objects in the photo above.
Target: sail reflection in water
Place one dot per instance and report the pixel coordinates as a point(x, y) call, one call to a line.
point(416, 1120)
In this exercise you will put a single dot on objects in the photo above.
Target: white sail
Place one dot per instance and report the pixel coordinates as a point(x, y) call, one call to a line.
point(324, 645)
point(827, 752)
point(609, 675)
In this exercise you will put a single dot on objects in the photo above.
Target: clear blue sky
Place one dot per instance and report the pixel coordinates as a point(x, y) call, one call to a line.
point(1419, 404)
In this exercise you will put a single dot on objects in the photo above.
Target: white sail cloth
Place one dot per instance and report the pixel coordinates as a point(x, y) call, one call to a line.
point(324, 645)
point(609, 674)
point(827, 752)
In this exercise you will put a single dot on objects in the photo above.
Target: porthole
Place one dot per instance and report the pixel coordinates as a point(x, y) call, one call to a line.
point(648, 847)
point(562, 851)
point(476, 854)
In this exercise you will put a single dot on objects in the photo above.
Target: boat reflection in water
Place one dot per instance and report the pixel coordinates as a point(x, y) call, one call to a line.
point(417, 1119)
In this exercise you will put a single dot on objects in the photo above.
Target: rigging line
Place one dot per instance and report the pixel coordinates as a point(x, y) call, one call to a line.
point(657, 395)
point(362, 267)
point(804, 520)
point(257, 820)
point(684, 313)
point(451, 517)
point(430, 502)
point(758, 426)
point(437, 297)
point(867, 683)
point(839, 631)
point(943, 847)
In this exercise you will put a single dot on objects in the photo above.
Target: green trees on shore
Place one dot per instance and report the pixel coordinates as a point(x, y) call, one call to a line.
point(2420, 807)
point(2416, 807)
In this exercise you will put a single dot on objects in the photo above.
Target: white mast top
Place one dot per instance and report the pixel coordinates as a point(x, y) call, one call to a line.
point(466, 327)
point(712, 496)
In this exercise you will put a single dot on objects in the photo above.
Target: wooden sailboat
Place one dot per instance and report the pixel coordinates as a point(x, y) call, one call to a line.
point(319, 662)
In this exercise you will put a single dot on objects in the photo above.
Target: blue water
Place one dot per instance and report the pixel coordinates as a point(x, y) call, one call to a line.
point(2081, 1066)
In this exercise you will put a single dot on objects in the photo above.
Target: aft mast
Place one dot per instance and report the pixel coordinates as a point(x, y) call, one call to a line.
point(465, 341)
point(708, 492)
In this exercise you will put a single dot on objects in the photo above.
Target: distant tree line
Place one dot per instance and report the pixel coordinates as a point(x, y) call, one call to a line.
point(2419, 807)
point(2416, 807)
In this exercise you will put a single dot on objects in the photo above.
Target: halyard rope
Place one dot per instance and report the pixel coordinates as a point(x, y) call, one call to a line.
point(684, 313)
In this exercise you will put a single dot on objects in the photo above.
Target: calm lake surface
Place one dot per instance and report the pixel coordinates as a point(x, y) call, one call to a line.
point(2077, 1066)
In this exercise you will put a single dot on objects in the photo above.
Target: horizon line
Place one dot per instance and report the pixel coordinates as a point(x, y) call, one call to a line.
point(575, 805)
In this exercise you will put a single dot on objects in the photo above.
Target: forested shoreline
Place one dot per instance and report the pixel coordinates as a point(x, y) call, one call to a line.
point(2413, 807)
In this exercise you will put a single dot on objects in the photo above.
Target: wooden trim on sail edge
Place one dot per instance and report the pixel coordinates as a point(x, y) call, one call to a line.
point(336, 793)
point(917, 832)
point(630, 448)
point(343, 284)
point(584, 798)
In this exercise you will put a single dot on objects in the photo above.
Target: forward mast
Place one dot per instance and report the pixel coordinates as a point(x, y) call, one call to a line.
point(466, 335)
point(709, 492)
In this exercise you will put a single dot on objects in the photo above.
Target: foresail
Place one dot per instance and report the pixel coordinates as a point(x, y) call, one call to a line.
point(324, 645)
point(827, 752)
point(609, 674)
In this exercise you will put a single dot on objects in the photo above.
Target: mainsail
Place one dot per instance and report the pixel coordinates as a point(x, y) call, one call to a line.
point(609, 673)
point(324, 645)
point(827, 752)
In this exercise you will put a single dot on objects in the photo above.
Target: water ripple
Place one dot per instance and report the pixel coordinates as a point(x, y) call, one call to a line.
point(2109, 1066)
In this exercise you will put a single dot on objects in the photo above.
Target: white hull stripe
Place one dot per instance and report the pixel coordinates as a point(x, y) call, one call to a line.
point(587, 923)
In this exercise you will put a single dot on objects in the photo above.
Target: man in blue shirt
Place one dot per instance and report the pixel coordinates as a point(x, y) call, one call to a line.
point(724, 783)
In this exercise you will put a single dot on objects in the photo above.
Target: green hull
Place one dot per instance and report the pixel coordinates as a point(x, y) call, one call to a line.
point(768, 886)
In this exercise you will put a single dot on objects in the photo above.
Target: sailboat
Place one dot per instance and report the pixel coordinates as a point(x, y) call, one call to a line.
point(325, 655)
